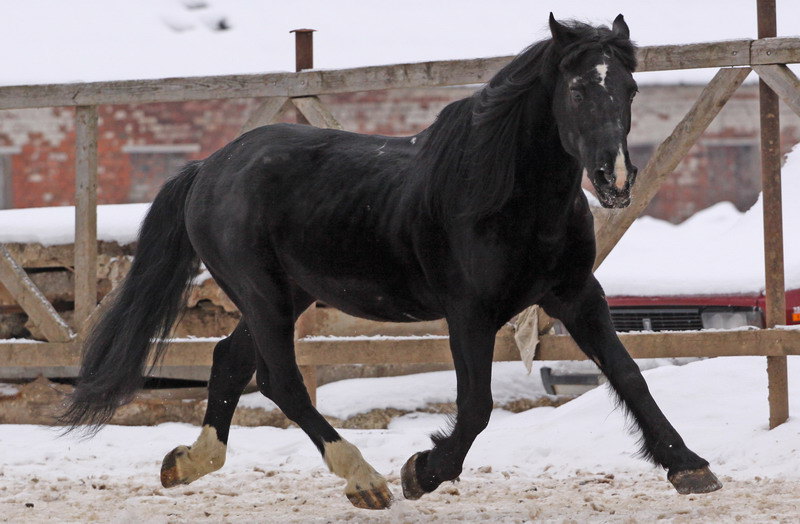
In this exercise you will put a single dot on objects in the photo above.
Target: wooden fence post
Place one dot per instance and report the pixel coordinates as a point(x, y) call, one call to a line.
point(85, 214)
point(304, 59)
point(777, 375)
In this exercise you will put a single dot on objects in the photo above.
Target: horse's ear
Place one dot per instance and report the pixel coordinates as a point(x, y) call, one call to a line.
point(620, 28)
point(561, 33)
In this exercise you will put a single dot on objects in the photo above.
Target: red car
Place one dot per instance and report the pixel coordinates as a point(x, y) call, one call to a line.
point(687, 313)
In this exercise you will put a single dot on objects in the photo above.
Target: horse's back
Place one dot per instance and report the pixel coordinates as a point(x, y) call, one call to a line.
point(326, 207)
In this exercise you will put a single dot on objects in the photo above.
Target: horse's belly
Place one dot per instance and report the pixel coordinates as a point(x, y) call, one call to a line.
point(370, 300)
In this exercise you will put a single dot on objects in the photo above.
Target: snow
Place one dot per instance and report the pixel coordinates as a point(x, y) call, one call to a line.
point(56, 225)
point(510, 381)
point(345, 398)
point(93, 40)
point(726, 247)
point(8, 390)
point(718, 405)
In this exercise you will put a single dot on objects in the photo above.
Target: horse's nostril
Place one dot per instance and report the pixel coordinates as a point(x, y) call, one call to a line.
point(603, 174)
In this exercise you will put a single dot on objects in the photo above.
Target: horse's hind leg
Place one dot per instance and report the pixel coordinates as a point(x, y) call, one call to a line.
point(472, 344)
point(267, 303)
point(585, 314)
point(233, 366)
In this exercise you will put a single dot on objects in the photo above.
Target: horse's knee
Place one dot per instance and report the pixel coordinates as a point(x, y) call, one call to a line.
point(625, 375)
point(475, 417)
point(234, 360)
point(289, 394)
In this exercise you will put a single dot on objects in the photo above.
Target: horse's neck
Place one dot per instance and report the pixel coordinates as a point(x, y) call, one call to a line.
point(550, 182)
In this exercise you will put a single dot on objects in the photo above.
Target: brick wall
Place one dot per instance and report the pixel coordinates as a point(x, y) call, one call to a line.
point(139, 146)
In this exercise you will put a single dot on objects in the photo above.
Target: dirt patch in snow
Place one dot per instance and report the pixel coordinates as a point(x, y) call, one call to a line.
point(481, 495)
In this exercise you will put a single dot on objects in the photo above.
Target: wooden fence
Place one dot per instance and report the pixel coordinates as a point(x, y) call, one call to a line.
point(736, 59)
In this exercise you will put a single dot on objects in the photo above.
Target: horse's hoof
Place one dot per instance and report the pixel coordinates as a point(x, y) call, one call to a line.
point(408, 475)
point(378, 497)
point(695, 481)
point(170, 472)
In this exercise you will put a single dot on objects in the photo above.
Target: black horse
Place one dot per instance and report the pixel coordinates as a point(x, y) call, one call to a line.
point(473, 220)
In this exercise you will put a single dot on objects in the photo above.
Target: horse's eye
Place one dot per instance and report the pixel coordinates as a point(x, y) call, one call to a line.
point(576, 95)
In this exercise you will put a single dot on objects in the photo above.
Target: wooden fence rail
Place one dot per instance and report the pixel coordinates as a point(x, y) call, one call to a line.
point(766, 56)
point(730, 53)
point(322, 351)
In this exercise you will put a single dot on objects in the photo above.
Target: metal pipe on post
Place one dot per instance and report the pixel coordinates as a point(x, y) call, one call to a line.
point(304, 59)
point(85, 214)
point(773, 223)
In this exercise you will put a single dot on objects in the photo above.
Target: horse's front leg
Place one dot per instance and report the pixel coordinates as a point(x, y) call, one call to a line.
point(472, 345)
point(584, 312)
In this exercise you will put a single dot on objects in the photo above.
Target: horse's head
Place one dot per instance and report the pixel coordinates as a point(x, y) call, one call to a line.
point(592, 105)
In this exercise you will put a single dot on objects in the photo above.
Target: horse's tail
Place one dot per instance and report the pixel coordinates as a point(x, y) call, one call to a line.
point(142, 314)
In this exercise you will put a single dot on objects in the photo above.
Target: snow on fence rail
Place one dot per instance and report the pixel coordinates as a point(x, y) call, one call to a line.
point(766, 56)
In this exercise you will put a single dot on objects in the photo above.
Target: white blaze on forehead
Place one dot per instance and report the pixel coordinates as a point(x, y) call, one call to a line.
point(602, 70)
point(620, 171)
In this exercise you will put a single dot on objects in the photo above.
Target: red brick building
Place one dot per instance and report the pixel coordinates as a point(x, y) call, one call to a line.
point(139, 146)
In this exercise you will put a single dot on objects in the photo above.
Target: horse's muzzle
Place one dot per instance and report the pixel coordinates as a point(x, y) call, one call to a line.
point(613, 190)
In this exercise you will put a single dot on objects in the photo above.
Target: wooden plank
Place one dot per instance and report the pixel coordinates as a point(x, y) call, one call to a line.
point(101, 309)
point(332, 322)
point(316, 113)
point(333, 351)
point(689, 56)
point(85, 213)
point(763, 342)
point(775, 308)
point(267, 112)
point(309, 374)
point(777, 390)
point(667, 156)
point(304, 83)
point(401, 350)
point(39, 354)
point(783, 81)
point(779, 50)
point(319, 82)
point(189, 353)
point(553, 347)
point(31, 300)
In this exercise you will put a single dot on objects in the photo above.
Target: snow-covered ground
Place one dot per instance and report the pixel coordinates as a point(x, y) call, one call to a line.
point(553, 464)
point(90, 40)
point(510, 381)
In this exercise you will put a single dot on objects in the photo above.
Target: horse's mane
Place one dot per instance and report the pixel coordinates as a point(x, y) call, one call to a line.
point(470, 154)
